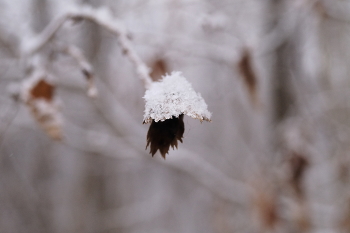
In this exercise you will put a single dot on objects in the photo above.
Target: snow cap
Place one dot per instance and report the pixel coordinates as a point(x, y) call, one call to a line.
point(173, 96)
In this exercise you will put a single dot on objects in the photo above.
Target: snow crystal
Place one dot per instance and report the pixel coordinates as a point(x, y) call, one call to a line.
point(173, 96)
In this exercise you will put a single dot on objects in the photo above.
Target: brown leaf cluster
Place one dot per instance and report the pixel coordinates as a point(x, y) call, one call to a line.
point(163, 134)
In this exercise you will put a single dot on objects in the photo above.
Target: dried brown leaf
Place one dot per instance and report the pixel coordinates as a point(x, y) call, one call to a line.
point(39, 96)
point(246, 69)
point(159, 68)
point(42, 90)
point(163, 134)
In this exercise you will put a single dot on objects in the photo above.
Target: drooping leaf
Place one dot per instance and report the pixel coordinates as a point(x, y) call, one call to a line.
point(38, 93)
point(163, 134)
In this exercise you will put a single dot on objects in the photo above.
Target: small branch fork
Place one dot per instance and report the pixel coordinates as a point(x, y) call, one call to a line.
point(101, 16)
point(85, 67)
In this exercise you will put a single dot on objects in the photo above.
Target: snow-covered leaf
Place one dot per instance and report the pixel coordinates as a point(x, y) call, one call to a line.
point(171, 97)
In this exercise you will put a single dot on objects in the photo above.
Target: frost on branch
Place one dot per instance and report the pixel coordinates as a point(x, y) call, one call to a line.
point(37, 93)
point(166, 103)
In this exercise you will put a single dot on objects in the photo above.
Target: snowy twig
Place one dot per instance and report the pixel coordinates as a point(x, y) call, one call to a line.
point(102, 17)
point(33, 45)
point(85, 67)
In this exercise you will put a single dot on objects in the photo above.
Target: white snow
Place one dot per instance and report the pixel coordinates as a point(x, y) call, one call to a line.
point(173, 96)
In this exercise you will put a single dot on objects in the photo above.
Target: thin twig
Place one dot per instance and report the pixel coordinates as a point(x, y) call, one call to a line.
point(85, 67)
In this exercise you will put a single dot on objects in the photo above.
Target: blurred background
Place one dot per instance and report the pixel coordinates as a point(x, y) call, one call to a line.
point(275, 157)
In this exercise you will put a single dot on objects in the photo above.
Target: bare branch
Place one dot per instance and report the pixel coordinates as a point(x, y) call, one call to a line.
point(102, 17)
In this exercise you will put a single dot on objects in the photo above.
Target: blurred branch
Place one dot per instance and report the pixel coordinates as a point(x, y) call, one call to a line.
point(85, 67)
point(225, 187)
point(8, 45)
point(10, 116)
point(183, 160)
point(292, 15)
point(102, 17)
point(189, 47)
point(132, 214)
point(337, 10)
point(33, 45)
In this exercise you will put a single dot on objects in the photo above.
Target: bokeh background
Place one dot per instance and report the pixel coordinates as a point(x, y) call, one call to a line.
point(275, 158)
